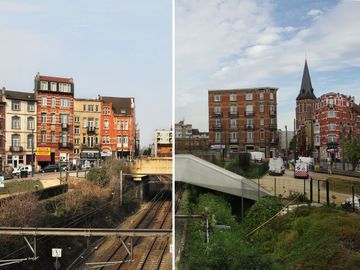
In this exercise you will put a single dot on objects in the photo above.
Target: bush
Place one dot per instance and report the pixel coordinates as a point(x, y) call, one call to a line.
point(98, 176)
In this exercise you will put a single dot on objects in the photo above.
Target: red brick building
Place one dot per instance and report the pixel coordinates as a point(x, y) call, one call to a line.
point(55, 105)
point(117, 129)
point(243, 120)
point(188, 139)
point(2, 131)
point(336, 116)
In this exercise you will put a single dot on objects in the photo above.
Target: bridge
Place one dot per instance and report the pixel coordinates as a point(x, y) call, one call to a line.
point(150, 166)
point(198, 172)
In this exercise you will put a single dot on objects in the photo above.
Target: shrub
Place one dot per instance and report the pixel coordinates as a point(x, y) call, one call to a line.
point(98, 176)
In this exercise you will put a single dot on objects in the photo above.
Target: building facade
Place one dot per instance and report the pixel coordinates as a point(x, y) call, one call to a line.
point(188, 140)
point(243, 120)
point(55, 105)
point(117, 127)
point(2, 130)
point(87, 137)
point(336, 122)
point(20, 128)
point(163, 143)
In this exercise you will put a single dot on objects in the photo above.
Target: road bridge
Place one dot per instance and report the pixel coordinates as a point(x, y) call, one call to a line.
point(198, 172)
point(150, 166)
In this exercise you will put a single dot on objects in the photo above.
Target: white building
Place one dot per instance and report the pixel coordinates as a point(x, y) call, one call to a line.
point(20, 127)
point(163, 143)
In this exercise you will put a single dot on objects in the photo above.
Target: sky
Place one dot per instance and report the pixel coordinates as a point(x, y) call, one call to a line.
point(109, 47)
point(223, 44)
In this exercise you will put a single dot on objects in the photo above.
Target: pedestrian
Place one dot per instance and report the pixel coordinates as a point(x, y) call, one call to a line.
point(329, 163)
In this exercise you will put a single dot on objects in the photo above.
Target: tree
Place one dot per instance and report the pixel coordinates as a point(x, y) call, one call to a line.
point(352, 151)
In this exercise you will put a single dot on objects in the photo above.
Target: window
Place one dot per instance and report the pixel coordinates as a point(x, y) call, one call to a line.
point(84, 107)
point(77, 141)
point(272, 121)
point(77, 119)
point(249, 109)
point(317, 139)
point(217, 137)
point(118, 127)
point(125, 140)
point(64, 102)
point(332, 126)
point(262, 135)
point(53, 118)
point(43, 136)
point(261, 108)
point(261, 95)
point(106, 124)
point(43, 101)
point(233, 123)
point(44, 85)
point(91, 122)
point(76, 151)
point(108, 139)
point(96, 122)
point(64, 87)
point(53, 86)
point(90, 141)
point(15, 140)
point(43, 118)
point(331, 113)
point(250, 136)
point(30, 123)
point(217, 110)
point(217, 123)
point(64, 118)
point(233, 137)
point(118, 140)
point(232, 97)
point(53, 101)
point(271, 95)
point(15, 105)
point(233, 109)
point(64, 138)
point(126, 125)
point(15, 122)
point(106, 111)
point(261, 121)
point(272, 109)
point(84, 122)
point(84, 140)
point(31, 106)
point(249, 122)
point(332, 138)
point(249, 96)
point(77, 130)
point(96, 108)
point(91, 108)
point(52, 136)
point(30, 141)
point(217, 98)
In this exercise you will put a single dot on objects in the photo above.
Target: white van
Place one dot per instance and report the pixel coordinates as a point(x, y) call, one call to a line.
point(307, 160)
point(18, 170)
point(257, 156)
point(276, 166)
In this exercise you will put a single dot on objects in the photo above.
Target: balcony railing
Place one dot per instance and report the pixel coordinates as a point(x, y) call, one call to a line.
point(91, 129)
point(89, 146)
point(233, 114)
point(217, 114)
point(234, 127)
point(273, 126)
point(249, 126)
point(217, 127)
point(272, 113)
point(249, 113)
point(64, 125)
point(65, 145)
point(16, 149)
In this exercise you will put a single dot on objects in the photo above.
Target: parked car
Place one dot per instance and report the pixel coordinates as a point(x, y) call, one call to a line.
point(50, 168)
point(26, 168)
point(276, 166)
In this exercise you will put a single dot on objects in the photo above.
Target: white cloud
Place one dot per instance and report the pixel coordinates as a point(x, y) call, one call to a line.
point(238, 44)
point(314, 13)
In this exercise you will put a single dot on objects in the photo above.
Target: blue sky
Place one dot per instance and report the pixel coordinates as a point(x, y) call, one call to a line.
point(237, 44)
point(114, 48)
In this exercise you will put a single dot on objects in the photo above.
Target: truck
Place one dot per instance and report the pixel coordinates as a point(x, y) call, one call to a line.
point(301, 170)
point(276, 166)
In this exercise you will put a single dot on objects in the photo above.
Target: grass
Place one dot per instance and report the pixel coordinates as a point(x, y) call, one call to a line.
point(21, 186)
point(343, 186)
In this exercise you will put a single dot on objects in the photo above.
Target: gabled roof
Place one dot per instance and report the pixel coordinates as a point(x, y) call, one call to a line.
point(119, 105)
point(20, 95)
point(306, 90)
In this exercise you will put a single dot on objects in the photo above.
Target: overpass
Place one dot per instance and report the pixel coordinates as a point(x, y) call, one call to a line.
point(198, 172)
point(150, 166)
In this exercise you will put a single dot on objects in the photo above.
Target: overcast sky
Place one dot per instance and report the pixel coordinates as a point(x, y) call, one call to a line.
point(237, 44)
point(113, 48)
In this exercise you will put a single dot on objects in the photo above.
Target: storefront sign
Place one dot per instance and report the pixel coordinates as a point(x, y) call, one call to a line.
point(106, 154)
point(43, 151)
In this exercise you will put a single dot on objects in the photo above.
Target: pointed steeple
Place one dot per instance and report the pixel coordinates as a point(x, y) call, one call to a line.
point(306, 90)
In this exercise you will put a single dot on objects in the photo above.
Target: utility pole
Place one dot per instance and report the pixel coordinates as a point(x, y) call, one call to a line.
point(286, 143)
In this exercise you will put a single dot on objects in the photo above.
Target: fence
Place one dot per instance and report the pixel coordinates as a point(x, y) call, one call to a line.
point(324, 191)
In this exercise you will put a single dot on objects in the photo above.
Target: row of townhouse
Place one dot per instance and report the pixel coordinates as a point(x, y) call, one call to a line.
point(50, 125)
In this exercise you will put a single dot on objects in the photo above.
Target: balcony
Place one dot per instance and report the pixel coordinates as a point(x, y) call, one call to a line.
point(217, 114)
point(64, 125)
point(91, 130)
point(89, 146)
point(233, 127)
point(272, 113)
point(249, 113)
point(16, 149)
point(217, 127)
point(249, 127)
point(233, 115)
point(65, 145)
point(273, 126)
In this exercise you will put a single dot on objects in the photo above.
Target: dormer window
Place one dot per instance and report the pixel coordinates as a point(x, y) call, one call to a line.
point(64, 87)
point(53, 86)
point(44, 85)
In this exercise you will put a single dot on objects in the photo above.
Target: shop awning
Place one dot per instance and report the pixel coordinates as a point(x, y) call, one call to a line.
point(43, 158)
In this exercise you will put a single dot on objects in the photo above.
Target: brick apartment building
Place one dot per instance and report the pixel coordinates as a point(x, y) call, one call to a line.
point(55, 105)
point(117, 127)
point(243, 120)
point(336, 122)
point(2, 130)
point(188, 139)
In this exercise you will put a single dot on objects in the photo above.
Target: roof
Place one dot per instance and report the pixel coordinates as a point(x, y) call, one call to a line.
point(119, 104)
point(20, 95)
point(306, 90)
point(243, 89)
point(55, 79)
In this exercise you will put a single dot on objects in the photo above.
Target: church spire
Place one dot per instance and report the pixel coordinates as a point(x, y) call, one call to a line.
point(306, 90)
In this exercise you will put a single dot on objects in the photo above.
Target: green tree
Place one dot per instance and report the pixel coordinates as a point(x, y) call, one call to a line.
point(352, 151)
